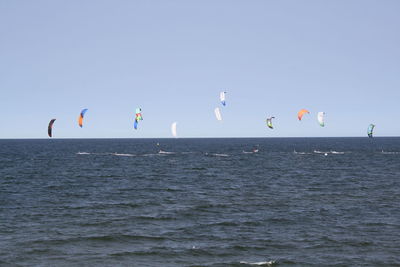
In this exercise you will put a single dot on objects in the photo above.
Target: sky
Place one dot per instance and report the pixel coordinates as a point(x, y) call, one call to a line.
point(172, 58)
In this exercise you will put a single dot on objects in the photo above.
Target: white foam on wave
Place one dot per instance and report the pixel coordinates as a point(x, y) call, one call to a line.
point(165, 152)
point(390, 152)
point(151, 155)
point(329, 152)
point(301, 153)
point(216, 155)
point(261, 263)
point(337, 152)
point(83, 153)
point(250, 152)
point(123, 155)
point(220, 155)
point(320, 152)
point(325, 153)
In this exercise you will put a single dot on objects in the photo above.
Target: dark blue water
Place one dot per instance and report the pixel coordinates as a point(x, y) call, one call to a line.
point(118, 202)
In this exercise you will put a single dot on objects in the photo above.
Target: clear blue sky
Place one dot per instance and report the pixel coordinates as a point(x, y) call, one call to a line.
point(172, 58)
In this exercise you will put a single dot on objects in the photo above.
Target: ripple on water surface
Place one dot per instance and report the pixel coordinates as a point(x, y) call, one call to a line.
point(296, 202)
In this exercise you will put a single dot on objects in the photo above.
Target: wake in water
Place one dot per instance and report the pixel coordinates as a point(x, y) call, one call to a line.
point(122, 155)
point(329, 152)
point(320, 152)
point(216, 155)
point(250, 152)
point(165, 152)
point(83, 153)
point(325, 153)
point(151, 154)
point(301, 153)
point(390, 152)
point(261, 263)
point(337, 152)
point(161, 152)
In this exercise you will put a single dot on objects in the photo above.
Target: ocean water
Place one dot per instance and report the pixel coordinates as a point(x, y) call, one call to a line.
point(202, 202)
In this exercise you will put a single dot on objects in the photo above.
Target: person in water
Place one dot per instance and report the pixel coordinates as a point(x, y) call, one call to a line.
point(160, 151)
point(255, 149)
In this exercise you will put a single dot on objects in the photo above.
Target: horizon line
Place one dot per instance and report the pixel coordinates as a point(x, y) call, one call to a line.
point(243, 137)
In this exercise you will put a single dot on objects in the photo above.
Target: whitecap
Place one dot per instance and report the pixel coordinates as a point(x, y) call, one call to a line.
point(300, 153)
point(165, 152)
point(83, 153)
point(123, 155)
point(337, 152)
point(220, 155)
point(250, 152)
point(261, 263)
point(390, 152)
point(150, 155)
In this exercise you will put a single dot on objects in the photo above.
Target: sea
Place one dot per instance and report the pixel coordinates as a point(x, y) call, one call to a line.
point(200, 202)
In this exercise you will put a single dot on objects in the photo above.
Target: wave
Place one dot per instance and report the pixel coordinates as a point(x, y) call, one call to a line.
point(329, 152)
point(113, 154)
point(123, 155)
point(165, 152)
point(337, 152)
point(390, 152)
point(325, 153)
point(102, 238)
point(151, 154)
point(260, 263)
point(249, 152)
point(195, 168)
point(320, 152)
point(218, 155)
point(301, 153)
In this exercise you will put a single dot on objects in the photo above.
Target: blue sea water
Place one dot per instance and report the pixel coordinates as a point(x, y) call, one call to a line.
point(202, 202)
